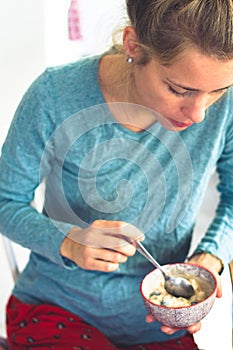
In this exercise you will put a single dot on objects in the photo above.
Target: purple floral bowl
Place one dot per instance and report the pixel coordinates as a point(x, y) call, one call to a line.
point(175, 315)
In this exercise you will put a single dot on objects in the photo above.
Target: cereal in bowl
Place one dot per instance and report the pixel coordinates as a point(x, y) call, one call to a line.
point(161, 297)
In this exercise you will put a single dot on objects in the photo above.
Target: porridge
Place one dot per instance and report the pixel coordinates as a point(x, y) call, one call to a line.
point(161, 297)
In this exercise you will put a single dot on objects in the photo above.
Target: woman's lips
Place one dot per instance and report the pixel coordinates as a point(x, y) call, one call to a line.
point(180, 124)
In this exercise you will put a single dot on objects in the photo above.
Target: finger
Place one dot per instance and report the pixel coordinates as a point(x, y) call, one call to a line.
point(165, 329)
point(194, 328)
point(150, 318)
point(191, 329)
point(219, 284)
point(169, 330)
point(219, 293)
point(107, 234)
point(118, 244)
point(95, 235)
point(90, 263)
point(114, 243)
point(108, 224)
point(219, 287)
point(120, 227)
point(109, 255)
point(131, 232)
point(104, 266)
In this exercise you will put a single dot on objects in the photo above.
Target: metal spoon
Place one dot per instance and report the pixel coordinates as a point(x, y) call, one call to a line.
point(177, 286)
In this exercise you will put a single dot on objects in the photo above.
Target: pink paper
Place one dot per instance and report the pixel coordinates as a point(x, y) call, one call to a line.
point(74, 21)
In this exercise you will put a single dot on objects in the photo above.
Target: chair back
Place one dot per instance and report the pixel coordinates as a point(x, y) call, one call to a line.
point(9, 250)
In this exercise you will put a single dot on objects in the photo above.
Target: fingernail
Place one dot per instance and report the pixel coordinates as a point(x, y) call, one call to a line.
point(167, 330)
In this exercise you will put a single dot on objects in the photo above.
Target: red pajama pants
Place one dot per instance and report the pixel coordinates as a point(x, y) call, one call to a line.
point(44, 326)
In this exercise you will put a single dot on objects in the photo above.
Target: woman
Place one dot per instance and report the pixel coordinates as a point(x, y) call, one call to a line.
point(126, 143)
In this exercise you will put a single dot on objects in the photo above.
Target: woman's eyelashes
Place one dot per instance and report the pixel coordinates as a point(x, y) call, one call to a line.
point(189, 93)
point(179, 94)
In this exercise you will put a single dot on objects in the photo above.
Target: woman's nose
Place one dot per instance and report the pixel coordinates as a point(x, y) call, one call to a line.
point(195, 110)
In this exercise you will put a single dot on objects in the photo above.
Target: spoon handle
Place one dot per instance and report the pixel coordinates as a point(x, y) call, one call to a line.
point(142, 250)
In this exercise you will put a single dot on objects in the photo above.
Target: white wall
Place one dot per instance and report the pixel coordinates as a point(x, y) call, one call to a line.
point(34, 34)
point(98, 19)
point(21, 53)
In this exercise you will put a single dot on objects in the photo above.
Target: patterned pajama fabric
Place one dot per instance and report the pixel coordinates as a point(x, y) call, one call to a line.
point(44, 326)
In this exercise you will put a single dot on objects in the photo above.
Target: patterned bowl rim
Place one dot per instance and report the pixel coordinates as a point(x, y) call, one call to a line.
point(180, 307)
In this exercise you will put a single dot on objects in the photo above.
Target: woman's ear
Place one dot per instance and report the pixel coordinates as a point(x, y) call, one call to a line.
point(130, 41)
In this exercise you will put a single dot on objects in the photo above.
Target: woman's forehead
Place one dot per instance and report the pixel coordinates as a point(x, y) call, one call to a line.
point(200, 72)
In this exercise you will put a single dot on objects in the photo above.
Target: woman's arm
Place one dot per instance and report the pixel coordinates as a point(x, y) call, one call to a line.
point(21, 173)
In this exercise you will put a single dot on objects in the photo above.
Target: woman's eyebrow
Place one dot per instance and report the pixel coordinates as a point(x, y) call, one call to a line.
point(193, 89)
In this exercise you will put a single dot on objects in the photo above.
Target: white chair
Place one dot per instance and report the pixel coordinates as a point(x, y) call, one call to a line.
point(10, 254)
point(14, 270)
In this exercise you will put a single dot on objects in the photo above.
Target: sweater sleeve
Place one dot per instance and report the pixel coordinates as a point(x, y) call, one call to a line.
point(218, 239)
point(20, 174)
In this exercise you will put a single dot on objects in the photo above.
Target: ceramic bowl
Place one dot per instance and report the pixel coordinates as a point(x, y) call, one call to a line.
point(181, 316)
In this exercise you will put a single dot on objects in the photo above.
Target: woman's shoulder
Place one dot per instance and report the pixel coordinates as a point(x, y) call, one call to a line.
point(71, 86)
point(69, 77)
point(83, 68)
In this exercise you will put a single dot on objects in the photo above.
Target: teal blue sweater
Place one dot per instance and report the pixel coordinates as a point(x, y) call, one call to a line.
point(64, 134)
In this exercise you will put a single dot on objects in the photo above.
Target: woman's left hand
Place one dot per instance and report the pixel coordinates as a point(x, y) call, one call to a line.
point(169, 330)
point(211, 263)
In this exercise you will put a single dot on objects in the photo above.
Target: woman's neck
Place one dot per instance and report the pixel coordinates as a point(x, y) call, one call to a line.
point(117, 85)
point(115, 79)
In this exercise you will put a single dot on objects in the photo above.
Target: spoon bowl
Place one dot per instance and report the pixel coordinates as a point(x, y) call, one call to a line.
point(174, 285)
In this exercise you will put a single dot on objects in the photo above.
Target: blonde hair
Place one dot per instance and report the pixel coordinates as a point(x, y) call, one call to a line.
point(167, 28)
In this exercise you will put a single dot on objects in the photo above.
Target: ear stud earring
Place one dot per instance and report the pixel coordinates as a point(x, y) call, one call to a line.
point(129, 59)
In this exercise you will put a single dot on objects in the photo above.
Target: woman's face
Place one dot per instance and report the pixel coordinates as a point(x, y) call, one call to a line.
point(183, 91)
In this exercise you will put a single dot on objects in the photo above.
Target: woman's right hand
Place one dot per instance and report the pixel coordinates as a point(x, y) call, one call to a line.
point(102, 246)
